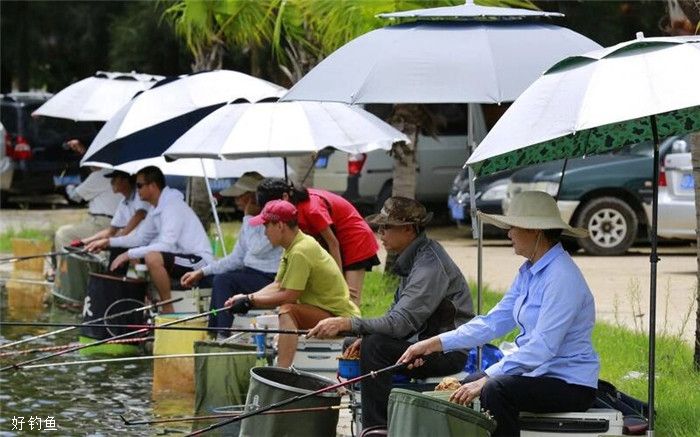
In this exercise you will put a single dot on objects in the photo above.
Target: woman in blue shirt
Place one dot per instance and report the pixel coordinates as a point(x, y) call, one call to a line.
point(555, 368)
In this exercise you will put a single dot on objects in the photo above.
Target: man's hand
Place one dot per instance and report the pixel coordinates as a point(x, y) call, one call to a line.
point(191, 278)
point(330, 327)
point(413, 354)
point(119, 260)
point(239, 304)
point(97, 245)
point(468, 392)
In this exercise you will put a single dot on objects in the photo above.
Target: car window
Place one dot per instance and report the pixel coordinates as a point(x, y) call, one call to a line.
point(9, 116)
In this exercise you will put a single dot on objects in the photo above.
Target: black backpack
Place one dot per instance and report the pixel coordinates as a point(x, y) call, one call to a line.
point(634, 412)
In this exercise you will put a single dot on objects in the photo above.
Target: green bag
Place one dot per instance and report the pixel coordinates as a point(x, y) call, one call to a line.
point(419, 414)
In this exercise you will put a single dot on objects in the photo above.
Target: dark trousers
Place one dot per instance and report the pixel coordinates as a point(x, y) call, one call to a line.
point(379, 351)
point(244, 280)
point(505, 396)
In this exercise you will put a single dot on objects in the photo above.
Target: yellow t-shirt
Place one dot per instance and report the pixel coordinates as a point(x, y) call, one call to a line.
point(309, 268)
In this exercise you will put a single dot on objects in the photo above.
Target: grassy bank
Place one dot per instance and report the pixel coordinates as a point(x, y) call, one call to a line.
point(623, 355)
point(34, 234)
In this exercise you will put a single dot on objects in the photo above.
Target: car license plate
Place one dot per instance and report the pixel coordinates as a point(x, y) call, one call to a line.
point(64, 180)
point(456, 210)
point(687, 182)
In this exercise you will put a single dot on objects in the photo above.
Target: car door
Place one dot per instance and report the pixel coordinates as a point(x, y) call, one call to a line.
point(677, 198)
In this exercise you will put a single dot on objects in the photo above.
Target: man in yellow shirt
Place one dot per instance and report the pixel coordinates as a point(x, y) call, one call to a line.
point(309, 285)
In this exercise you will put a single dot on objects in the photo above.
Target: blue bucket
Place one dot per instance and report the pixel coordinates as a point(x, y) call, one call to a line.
point(348, 369)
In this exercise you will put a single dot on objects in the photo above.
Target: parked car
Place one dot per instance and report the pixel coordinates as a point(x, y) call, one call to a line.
point(490, 191)
point(677, 194)
point(35, 147)
point(6, 168)
point(610, 195)
point(367, 179)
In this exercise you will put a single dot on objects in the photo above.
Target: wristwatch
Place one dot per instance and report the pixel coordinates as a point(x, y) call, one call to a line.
point(251, 299)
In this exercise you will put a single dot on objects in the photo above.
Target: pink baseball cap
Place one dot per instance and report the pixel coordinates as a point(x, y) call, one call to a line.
point(275, 211)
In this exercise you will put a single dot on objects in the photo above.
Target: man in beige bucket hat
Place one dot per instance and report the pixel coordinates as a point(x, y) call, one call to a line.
point(555, 368)
point(432, 297)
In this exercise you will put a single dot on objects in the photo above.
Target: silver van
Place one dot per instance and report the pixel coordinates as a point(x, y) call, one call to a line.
point(366, 179)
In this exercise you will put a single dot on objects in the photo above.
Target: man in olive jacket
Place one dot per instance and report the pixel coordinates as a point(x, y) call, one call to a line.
point(432, 297)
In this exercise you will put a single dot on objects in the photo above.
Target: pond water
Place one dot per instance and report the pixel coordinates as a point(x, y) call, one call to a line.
point(83, 399)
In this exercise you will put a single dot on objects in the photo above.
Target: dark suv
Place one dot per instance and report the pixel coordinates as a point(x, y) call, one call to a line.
point(41, 164)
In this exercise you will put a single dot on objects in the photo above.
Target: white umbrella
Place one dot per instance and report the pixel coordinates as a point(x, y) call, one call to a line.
point(470, 11)
point(96, 98)
point(154, 119)
point(597, 102)
point(284, 129)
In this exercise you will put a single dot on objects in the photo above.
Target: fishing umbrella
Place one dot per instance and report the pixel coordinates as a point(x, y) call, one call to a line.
point(96, 98)
point(597, 102)
point(284, 129)
point(469, 11)
point(154, 119)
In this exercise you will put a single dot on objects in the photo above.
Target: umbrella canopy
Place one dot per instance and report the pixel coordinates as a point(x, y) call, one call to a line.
point(284, 129)
point(96, 98)
point(210, 168)
point(154, 119)
point(597, 102)
point(440, 62)
point(470, 11)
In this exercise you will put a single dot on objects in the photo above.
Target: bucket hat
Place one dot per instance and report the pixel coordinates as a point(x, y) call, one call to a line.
point(247, 182)
point(533, 210)
point(401, 211)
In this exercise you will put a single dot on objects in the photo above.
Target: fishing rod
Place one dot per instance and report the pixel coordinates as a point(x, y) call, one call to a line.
point(224, 415)
point(91, 322)
point(127, 359)
point(296, 399)
point(173, 328)
point(66, 346)
point(99, 342)
point(13, 259)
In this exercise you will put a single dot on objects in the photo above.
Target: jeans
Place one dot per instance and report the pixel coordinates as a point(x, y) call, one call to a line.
point(244, 280)
point(378, 351)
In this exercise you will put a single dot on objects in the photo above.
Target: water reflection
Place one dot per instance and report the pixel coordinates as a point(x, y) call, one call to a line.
point(83, 400)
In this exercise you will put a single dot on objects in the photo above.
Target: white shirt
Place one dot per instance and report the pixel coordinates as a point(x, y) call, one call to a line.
point(171, 227)
point(127, 208)
point(97, 190)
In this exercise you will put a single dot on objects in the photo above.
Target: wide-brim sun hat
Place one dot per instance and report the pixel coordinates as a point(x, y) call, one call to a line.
point(248, 182)
point(401, 211)
point(532, 210)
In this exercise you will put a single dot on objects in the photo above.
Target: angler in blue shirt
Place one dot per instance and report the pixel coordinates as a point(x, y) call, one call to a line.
point(555, 368)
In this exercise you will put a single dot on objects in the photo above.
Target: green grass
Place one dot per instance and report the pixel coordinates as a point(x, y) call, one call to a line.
point(34, 234)
point(622, 353)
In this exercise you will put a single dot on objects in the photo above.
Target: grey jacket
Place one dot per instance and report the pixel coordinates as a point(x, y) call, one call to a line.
point(432, 296)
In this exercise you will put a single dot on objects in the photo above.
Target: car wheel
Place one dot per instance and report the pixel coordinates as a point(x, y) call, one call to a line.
point(611, 224)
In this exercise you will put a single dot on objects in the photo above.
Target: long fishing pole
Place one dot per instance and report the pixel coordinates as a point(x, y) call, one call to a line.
point(91, 322)
point(173, 328)
point(296, 399)
point(13, 259)
point(66, 346)
point(127, 359)
point(225, 415)
point(99, 342)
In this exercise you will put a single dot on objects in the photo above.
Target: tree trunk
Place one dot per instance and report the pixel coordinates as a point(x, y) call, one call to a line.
point(695, 153)
point(405, 118)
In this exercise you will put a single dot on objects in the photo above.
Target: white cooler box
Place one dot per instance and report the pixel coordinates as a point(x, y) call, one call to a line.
point(195, 300)
point(318, 356)
point(592, 423)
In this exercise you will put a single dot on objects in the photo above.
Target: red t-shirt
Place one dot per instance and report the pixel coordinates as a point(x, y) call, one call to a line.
point(357, 242)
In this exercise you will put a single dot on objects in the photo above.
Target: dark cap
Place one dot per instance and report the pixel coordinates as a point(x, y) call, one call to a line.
point(117, 174)
point(401, 211)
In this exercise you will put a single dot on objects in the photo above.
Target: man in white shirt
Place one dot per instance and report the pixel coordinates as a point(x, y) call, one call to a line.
point(102, 203)
point(171, 240)
point(253, 262)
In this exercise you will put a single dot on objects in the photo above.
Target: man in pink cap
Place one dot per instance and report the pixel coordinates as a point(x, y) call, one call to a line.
point(309, 285)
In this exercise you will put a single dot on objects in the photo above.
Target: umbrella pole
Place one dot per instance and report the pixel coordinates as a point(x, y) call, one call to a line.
point(286, 176)
point(477, 227)
point(212, 201)
point(653, 259)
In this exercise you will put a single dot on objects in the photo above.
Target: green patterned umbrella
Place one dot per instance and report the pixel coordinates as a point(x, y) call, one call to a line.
point(598, 102)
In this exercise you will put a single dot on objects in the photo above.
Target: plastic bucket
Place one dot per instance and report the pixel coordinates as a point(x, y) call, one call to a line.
point(413, 413)
point(269, 385)
point(73, 277)
point(175, 375)
point(348, 369)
